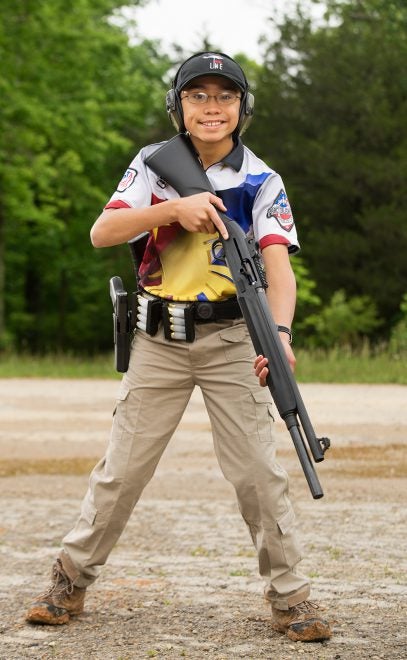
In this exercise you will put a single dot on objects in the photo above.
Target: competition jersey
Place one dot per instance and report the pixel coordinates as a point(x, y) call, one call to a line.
point(183, 265)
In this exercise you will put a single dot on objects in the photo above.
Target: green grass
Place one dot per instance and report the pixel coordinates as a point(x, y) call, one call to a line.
point(56, 366)
point(342, 365)
point(338, 365)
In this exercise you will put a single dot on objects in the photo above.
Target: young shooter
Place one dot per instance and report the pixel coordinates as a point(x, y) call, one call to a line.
point(182, 264)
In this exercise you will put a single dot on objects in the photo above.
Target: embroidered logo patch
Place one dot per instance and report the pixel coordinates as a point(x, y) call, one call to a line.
point(127, 180)
point(216, 61)
point(281, 211)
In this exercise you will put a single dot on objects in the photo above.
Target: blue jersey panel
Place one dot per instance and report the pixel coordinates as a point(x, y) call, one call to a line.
point(239, 201)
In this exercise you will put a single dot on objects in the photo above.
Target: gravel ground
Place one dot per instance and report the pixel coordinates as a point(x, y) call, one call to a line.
point(182, 581)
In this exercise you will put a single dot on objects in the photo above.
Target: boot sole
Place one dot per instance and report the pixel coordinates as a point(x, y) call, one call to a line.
point(312, 630)
point(45, 613)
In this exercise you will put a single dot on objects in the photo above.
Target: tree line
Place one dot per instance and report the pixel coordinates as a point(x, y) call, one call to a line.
point(78, 100)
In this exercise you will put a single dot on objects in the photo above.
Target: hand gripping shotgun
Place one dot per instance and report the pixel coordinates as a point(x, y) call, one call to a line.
point(176, 163)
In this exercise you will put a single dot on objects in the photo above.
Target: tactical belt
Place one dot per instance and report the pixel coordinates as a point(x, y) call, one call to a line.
point(179, 318)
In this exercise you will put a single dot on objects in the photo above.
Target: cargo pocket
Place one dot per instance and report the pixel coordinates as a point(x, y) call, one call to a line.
point(286, 521)
point(236, 343)
point(291, 547)
point(264, 414)
point(122, 395)
point(122, 434)
point(88, 512)
point(123, 392)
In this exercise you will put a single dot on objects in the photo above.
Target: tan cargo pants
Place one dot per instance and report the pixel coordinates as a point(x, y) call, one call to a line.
point(151, 400)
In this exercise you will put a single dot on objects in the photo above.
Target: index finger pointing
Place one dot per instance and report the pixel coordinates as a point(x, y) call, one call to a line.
point(219, 224)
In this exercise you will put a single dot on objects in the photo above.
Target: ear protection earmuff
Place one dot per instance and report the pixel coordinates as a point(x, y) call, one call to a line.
point(246, 112)
point(175, 113)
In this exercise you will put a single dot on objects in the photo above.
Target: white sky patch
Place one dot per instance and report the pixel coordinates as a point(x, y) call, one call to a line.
point(232, 26)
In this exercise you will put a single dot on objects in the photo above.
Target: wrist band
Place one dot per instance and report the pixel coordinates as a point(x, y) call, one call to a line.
point(283, 328)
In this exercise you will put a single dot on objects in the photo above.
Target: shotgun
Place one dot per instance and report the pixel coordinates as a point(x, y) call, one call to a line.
point(176, 162)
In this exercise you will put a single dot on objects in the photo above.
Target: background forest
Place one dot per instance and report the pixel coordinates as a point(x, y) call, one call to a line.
point(77, 100)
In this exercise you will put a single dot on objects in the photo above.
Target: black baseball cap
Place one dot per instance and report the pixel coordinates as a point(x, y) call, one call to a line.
point(210, 64)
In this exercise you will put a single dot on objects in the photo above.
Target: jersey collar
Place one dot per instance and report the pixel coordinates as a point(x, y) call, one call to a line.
point(235, 157)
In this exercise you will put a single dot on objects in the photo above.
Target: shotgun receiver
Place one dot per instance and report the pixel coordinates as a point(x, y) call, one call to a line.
point(177, 163)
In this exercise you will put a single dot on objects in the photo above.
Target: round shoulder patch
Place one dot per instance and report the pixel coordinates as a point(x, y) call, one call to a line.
point(127, 179)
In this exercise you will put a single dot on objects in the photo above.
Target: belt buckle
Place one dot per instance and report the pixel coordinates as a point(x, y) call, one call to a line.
point(204, 311)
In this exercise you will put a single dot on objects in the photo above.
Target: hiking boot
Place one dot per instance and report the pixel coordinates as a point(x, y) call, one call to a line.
point(301, 623)
point(62, 599)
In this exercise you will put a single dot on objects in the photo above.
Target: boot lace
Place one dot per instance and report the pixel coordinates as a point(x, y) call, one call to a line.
point(306, 607)
point(61, 584)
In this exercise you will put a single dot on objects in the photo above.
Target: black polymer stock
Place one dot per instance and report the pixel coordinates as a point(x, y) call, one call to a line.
point(177, 163)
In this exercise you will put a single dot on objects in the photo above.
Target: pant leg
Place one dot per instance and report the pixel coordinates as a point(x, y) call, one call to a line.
point(241, 414)
point(158, 380)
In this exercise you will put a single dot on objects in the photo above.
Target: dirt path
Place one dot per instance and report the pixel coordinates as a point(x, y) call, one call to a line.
point(182, 581)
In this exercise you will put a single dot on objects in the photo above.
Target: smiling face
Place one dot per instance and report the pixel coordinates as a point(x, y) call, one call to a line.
point(211, 123)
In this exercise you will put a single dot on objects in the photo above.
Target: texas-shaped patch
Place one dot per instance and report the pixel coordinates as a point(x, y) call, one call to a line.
point(281, 211)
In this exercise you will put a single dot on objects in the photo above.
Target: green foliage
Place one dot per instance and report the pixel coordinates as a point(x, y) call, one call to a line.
point(398, 337)
point(77, 101)
point(330, 117)
point(307, 299)
point(80, 102)
point(343, 322)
